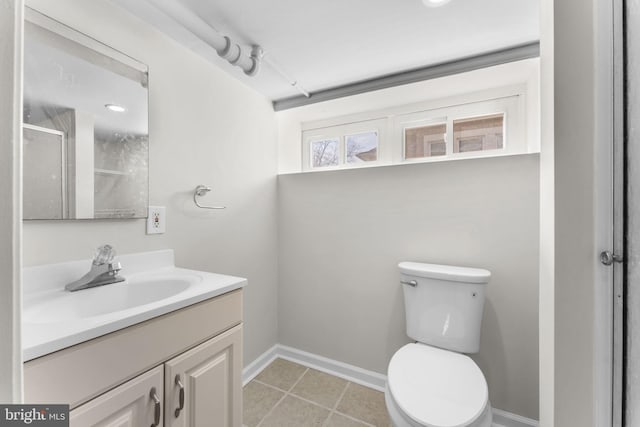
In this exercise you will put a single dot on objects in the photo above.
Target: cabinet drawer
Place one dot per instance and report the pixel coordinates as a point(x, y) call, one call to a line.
point(138, 402)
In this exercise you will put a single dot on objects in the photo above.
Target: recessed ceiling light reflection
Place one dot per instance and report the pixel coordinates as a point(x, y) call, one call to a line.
point(116, 108)
point(435, 3)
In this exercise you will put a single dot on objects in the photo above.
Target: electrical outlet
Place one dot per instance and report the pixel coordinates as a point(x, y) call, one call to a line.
point(156, 220)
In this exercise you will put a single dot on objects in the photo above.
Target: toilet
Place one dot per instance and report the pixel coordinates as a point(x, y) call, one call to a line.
point(432, 382)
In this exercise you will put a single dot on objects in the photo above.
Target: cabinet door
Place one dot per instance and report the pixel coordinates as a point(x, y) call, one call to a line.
point(136, 403)
point(206, 383)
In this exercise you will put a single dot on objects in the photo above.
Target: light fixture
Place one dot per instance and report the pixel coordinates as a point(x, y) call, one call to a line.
point(435, 3)
point(116, 108)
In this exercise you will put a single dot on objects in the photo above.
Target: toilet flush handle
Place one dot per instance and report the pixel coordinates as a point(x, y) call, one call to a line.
point(411, 283)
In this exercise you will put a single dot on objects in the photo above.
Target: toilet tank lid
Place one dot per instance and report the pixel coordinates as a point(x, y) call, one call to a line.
point(445, 272)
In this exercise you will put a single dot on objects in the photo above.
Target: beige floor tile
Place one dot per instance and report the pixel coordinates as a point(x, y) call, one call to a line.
point(337, 420)
point(281, 373)
point(293, 412)
point(364, 404)
point(320, 388)
point(258, 400)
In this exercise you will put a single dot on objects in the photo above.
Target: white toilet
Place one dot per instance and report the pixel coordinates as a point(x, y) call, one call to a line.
point(431, 383)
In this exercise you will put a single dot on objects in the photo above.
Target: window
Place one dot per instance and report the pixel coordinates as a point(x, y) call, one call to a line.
point(343, 146)
point(475, 129)
point(325, 152)
point(362, 147)
point(425, 141)
point(493, 126)
point(478, 133)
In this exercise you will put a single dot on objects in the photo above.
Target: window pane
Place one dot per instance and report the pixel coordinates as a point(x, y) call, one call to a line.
point(425, 141)
point(362, 147)
point(325, 152)
point(478, 133)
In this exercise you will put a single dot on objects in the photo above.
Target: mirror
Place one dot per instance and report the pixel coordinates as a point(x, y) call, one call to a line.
point(85, 133)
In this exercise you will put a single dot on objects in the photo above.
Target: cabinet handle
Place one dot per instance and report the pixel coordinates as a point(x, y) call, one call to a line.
point(180, 396)
point(156, 412)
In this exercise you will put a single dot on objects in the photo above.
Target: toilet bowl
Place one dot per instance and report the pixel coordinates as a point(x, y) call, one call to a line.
point(433, 383)
point(431, 387)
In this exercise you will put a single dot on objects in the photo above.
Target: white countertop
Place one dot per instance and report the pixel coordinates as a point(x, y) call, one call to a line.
point(44, 292)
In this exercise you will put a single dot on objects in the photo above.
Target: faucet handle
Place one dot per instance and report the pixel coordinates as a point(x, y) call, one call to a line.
point(104, 255)
point(115, 267)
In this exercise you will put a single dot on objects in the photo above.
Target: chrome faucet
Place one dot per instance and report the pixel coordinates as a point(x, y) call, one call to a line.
point(103, 271)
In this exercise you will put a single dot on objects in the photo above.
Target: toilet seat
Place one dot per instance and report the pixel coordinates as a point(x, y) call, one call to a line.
point(437, 388)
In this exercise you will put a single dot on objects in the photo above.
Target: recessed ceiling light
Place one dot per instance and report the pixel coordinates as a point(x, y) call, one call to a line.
point(116, 108)
point(435, 3)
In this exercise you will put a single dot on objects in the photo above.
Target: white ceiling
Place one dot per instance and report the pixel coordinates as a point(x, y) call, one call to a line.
point(324, 44)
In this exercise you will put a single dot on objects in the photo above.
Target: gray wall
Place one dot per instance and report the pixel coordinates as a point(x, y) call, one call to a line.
point(205, 128)
point(342, 234)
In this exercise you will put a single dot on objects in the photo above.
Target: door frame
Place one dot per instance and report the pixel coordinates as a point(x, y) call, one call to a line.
point(610, 193)
point(11, 25)
point(619, 191)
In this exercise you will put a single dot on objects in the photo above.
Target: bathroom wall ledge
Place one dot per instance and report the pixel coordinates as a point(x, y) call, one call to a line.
point(434, 160)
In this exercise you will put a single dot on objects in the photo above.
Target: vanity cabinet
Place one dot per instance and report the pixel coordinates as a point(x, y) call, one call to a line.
point(201, 387)
point(125, 377)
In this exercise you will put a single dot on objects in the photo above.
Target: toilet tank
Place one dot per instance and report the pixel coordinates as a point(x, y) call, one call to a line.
point(444, 304)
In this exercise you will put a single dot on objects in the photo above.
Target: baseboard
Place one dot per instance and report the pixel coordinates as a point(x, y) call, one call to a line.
point(351, 373)
point(254, 368)
point(354, 374)
point(507, 419)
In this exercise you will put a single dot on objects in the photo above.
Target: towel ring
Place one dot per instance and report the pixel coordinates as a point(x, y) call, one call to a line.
point(200, 191)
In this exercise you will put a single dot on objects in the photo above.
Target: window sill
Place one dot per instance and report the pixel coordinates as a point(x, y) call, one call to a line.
point(443, 159)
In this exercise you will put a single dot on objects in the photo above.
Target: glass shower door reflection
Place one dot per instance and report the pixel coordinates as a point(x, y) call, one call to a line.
point(44, 173)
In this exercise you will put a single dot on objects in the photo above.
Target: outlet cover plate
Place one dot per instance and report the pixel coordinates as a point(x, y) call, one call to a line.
point(156, 220)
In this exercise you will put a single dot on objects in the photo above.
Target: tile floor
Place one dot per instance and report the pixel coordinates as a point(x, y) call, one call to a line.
point(286, 394)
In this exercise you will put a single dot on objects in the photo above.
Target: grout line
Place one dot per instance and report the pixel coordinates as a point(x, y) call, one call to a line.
point(298, 380)
point(271, 410)
point(354, 419)
point(286, 393)
point(295, 396)
point(269, 385)
point(346, 386)
point(333, 410)
point(330, 409)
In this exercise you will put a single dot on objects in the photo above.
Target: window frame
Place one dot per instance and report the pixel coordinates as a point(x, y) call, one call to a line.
point(340, 132)
point(391, 124)
point(514, 127)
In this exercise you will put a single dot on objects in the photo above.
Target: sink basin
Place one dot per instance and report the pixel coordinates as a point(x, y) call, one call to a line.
point(63, 306)
point(54, 319)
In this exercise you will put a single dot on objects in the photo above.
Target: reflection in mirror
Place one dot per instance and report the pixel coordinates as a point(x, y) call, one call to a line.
point(85, 135)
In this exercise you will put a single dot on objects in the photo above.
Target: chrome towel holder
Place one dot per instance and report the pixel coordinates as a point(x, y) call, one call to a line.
point(200, 191)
